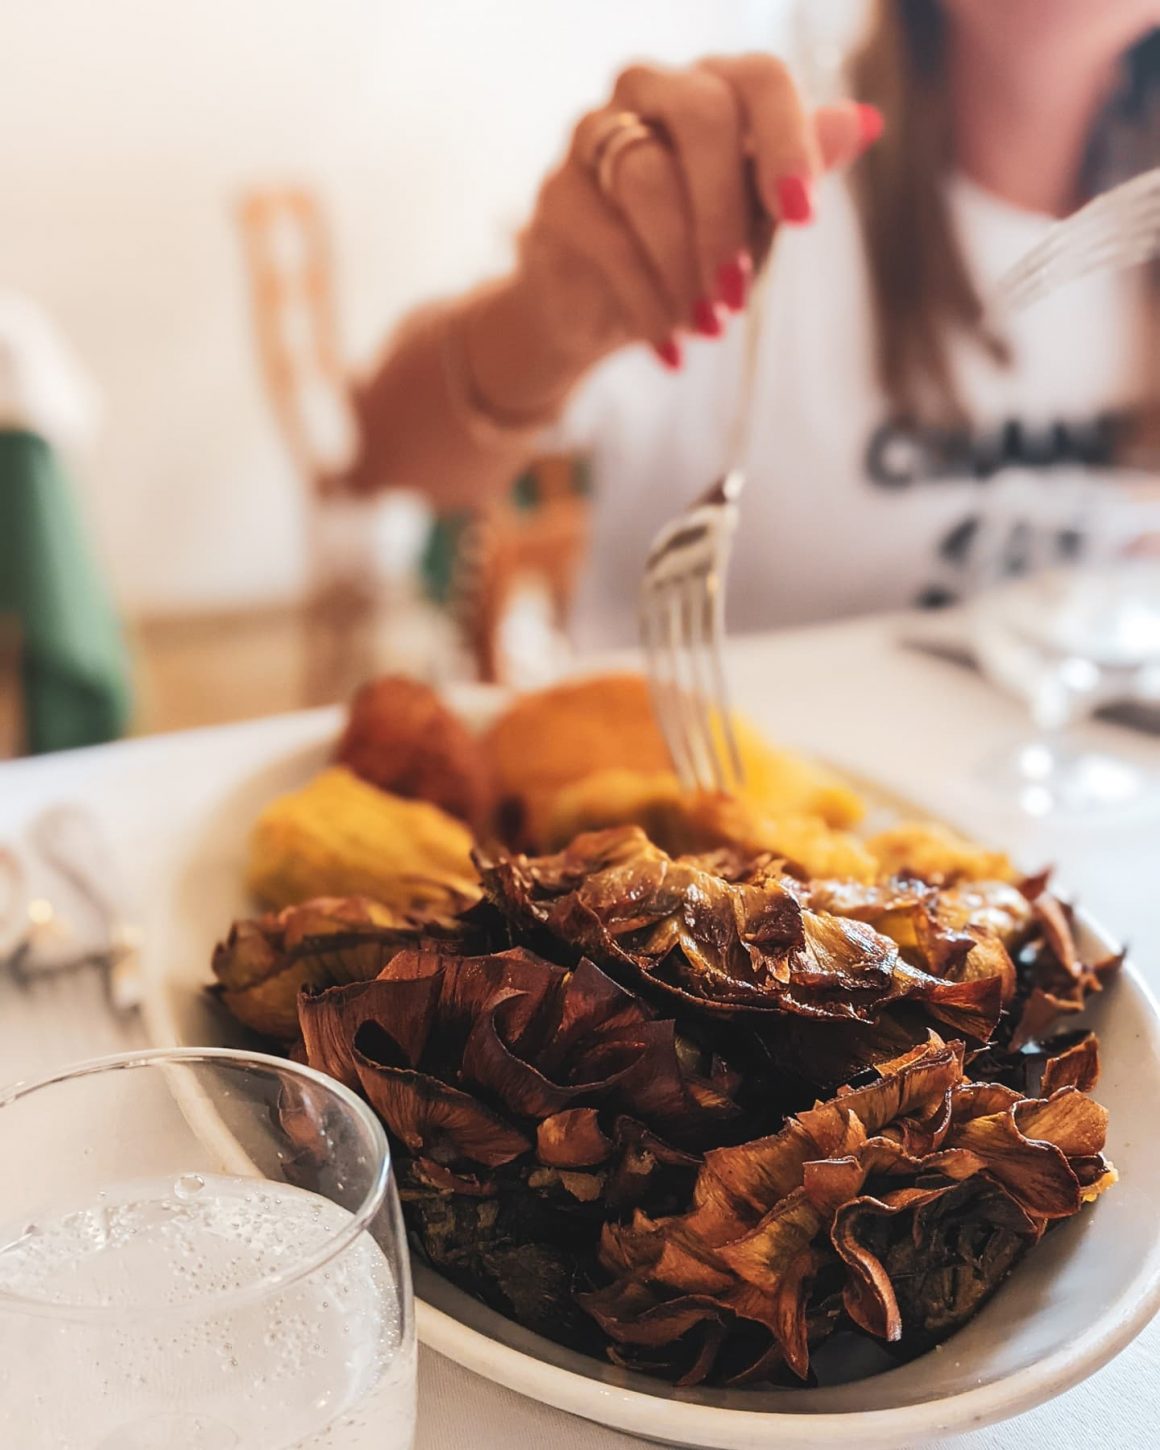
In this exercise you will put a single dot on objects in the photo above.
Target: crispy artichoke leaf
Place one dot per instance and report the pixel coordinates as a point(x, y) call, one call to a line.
point(869, 1295)
point(911, 1196)
point(712, 934)
point(329, 1021)
point(1076, 1066)
point(437, 1121)
point(1026, 1146)
point(922, 1261)
point(264, 963)
point(572, 1139)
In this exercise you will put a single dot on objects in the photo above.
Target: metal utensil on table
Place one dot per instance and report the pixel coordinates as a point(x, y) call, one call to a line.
point(64, 875)
point(682, 605)
point(1119, 229)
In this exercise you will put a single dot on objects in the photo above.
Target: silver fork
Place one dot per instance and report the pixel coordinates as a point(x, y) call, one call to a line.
point(682, 606)
point(1119, 229)
point(40, 938)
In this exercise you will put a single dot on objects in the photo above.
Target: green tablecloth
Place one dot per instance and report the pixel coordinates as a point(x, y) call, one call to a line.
point(73, 659)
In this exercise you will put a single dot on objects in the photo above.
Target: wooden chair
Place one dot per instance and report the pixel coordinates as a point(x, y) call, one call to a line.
point(291, 275)
point(291, 272)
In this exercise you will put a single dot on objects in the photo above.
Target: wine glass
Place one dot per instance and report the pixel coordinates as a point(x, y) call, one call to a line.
point(200, 1249)
point(1067, 618)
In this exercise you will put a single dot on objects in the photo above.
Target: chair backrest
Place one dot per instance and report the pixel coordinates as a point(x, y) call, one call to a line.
point(291, 274)
point(292, 285)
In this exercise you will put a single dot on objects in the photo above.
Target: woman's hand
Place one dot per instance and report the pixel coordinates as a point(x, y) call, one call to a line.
point(645, 239)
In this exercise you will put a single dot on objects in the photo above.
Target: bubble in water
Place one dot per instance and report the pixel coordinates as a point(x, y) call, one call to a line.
point(188, 1186)
point(292, 1351)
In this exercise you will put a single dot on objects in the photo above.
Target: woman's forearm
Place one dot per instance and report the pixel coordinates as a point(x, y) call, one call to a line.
point(641, 243)
point(457, 405)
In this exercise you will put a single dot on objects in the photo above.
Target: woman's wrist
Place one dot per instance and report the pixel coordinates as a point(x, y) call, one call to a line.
point(491, 426)
point(523, 348)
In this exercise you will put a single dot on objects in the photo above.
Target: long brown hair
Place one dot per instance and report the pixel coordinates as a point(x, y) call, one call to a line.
point(921, 289)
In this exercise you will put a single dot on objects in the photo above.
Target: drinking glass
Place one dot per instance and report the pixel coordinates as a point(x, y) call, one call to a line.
point(200, 1249)
point(1067, 618)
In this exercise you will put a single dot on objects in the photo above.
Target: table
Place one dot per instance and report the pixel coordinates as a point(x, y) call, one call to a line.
point(846, 692)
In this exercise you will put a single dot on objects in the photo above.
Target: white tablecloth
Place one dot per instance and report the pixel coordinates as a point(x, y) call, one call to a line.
point(842, 691)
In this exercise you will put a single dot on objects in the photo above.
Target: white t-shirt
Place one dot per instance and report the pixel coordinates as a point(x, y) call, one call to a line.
point(842, 512)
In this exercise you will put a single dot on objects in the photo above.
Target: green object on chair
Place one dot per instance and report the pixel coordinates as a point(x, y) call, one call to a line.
point(441, 551)
point(74, 666)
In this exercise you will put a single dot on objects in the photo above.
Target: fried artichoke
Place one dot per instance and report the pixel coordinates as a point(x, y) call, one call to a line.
point(708, 1098)
point(559, 1150)
point(724, 933)
point(457, 1053)
point(263, 964)
point(526, 1102)
point(899, 1206)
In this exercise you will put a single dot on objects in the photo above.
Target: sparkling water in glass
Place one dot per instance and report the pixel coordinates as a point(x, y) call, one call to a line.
point(200, 1249)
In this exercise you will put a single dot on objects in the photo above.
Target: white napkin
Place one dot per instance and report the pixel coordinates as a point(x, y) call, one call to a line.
point(44, 387)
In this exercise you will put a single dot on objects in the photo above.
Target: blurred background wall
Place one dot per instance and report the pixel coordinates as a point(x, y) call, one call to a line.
point(132, 126)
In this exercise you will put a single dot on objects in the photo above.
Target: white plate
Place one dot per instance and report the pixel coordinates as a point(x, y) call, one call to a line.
point(1077, 1300)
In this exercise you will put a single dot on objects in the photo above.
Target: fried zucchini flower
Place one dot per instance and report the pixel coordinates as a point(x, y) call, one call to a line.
point(339, 836)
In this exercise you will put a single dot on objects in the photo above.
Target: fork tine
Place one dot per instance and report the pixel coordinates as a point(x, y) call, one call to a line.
point(714, 610)
point(656, 634)
point(700, 715)
point(1088, 251)
point(686, 694)
point(682, 626)
point(1083, 241)
point(1121, 228)
point(651, 634)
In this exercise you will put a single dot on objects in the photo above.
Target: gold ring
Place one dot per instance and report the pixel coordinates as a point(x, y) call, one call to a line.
point(619, 133)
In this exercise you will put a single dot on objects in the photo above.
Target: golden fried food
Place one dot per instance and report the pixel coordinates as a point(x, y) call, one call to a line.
point(683, 822)
point(817, 848)
point(618, 797)
point(783, 783)
point(936, 853)
point(339, 836)
point(401, 737)
point(547, 742)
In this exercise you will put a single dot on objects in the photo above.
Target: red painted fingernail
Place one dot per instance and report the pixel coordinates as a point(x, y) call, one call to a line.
point(871, 123)
point(707, 318)
point(794, 203)
point(670, 353)
point(733, 279)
